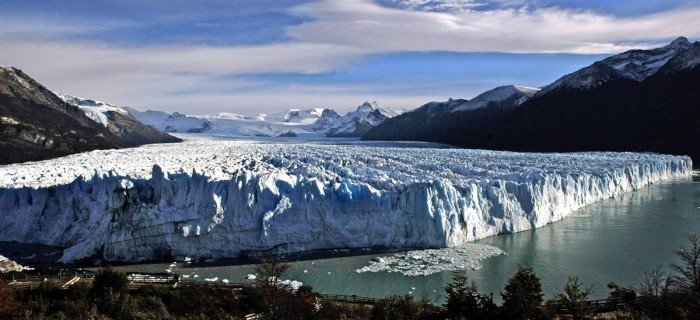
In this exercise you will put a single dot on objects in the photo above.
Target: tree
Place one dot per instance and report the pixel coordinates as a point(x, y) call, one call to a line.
point(655, 294)
point(109, 281)
point(397, 308)
point(688, 271)
point(464, 300)
point(522, 296)
point(110, 293)
point(574, 298)
point(687, 279)
point(268, 286)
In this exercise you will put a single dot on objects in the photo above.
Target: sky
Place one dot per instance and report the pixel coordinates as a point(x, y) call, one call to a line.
point(265, 56)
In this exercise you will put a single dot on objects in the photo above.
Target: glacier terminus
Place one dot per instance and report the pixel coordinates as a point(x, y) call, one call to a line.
point(214, 198)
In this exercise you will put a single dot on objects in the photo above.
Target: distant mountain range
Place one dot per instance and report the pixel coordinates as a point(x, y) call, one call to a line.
point(36, 124)
point(640, 100)
point(318, 122)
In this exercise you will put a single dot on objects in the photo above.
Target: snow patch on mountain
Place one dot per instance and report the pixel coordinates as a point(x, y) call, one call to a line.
point(216, 198)
point(96, 110)
point(634, 64)
point(640, 64)
point(356, 123)
point(298, 116)
point(313, 122)
point(166, 122)
point(512, 95)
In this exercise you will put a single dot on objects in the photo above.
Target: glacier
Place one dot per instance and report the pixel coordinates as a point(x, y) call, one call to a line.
point(212, 198)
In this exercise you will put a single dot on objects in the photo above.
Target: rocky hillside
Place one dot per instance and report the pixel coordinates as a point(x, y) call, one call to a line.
point(119, 122)
point(35, 124)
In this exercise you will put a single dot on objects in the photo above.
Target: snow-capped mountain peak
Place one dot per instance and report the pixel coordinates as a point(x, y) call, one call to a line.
point(504, 96)
point(640, 64)
point(681, 42)
point(634, 64)
point(301, 116)
point(95, 110)
point(368, 106)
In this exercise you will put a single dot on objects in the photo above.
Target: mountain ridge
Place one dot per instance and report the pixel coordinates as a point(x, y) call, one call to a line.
point(35, 124)
point(597, 108)
point(320, 122)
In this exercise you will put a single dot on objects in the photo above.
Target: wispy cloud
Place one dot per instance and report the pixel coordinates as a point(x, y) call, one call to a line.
point(439, 5)
point(68, 54)
point(366, 24)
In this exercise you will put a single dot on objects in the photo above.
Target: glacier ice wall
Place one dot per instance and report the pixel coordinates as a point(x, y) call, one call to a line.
point(214, 198)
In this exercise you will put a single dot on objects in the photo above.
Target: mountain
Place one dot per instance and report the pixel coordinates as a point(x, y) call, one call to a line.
point(313, 122)
point(298, 116)
point(357, 123)
point(640, 100)
point(505, 97)
point(635, 65)
point(119, 122)
point(423, 122)
point(35, 124)
point(175, 122)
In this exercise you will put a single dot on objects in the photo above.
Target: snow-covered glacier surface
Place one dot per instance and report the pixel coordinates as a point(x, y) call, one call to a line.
point(220, 198)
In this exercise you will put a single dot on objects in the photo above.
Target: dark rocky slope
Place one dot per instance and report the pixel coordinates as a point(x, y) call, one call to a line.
point(35, 124)
point(596, 108)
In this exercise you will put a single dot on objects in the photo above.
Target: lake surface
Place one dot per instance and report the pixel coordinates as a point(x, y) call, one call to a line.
point(612, 240)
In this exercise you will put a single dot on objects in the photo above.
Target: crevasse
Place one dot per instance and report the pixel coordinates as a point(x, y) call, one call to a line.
point(281, 199)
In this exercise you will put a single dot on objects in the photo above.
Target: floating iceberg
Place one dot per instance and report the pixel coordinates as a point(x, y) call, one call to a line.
point(429, 261)
point(7, 265)
point(207, 198)
point(291, 285)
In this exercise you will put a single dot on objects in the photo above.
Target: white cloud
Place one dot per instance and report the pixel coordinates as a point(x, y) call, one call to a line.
point(194, 79)
point(438, 5)
point(92, 58)
point(366, 24)
point(206, 78)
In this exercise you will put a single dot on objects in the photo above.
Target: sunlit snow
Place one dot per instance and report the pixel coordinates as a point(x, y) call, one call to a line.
point(213, 198)
point(429, 261)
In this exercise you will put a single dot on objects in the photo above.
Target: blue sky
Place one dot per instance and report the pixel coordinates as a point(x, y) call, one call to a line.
point(257, 56)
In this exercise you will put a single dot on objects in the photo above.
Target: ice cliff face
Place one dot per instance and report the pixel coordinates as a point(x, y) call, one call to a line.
point(213, 198)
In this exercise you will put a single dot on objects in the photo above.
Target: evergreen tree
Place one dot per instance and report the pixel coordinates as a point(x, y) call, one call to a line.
point(522, 297)
point(574, 299)
point(465, 302)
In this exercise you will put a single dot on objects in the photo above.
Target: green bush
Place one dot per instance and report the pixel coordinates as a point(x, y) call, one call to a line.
point(109, 281)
